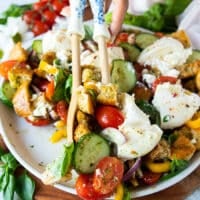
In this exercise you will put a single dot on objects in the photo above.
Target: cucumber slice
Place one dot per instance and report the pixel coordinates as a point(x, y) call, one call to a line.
point(89, 151)
point(195, 56)
point(143, 40)
point(37, 46)
point(123, 75)
point(7, 93)
point(133, 51)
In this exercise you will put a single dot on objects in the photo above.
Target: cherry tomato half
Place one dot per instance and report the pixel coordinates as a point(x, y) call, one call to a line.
point(62, 109)
point(149, 178)
point(84, 188)
point(30, 16)
point(59, 5)
point(39, 121)
point(49, 17)
point(108, 174)
point(108, 116)
point(39, 28)
point(121, 37)
point(40, 6)
point(163, 79)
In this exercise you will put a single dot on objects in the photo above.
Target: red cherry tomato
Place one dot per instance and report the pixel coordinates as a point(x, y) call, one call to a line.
point(84, 188)
point(39, 28)
point(59, 5)
point(30, 16)
point(39, 121)
point(163, 79)
point(40, 6)
point(108, 175)
point(121, 37)
point(62, 109)
point(150, 178)
point(49, 17)
point(108, 116)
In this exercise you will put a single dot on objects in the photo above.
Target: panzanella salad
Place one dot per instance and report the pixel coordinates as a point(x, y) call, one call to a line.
point(141, 128)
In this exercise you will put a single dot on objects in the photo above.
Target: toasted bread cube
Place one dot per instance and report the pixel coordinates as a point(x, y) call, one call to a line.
point(18, 53)
point(182, 148)
point(108, 95)
point(81, 116)
point(21, 100)
point(81, 129)
point(85, 102)
point(18, 75)
point(91, 74)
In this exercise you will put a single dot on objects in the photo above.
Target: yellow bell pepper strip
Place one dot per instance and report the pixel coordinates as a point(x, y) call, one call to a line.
point(119, 192)
point(58, 135)
point(158, 167)
point(44, 68)
point(194, 124)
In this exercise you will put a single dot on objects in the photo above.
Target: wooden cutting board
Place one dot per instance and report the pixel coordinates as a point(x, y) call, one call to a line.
point(180, 191)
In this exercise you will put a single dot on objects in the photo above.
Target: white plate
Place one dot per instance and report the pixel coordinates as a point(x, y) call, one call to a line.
point(32, 148)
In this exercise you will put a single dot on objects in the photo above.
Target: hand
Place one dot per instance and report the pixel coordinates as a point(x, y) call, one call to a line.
point(119, 11)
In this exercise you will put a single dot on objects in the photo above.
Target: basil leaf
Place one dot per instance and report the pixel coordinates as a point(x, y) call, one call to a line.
point(88, 32)
point(8, 192)
point(68, 88)
point(10, 161)
point(150, 110)
point(177, 165)
point(25, 187)
point(60, 166)
point(4, 181)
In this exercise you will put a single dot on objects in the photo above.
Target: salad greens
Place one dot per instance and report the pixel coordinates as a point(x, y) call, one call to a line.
point(23, 185)
point(160, 16)
point(14, 10)
point(176, 166)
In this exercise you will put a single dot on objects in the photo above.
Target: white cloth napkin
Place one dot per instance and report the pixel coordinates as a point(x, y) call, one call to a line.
point(189, 21)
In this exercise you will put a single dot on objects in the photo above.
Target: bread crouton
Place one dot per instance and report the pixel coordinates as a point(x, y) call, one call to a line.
point(182, 148)
point(108, 95)
point(85, 102)
point(196, 136)
point(80, 130)
point(18, 75)
point(21, 100)
point(89, 74)
point(18, 53)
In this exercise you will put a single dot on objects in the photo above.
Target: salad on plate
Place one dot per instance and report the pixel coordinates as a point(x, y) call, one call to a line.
point(140, 129)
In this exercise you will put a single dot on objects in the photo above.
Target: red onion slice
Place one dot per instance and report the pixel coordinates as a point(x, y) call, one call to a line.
point(129, 173)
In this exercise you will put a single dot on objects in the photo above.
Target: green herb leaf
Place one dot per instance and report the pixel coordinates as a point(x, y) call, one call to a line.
point(177, 166)
point(150, 110)
point(127, 194)
point(60, 166)
point(68, 88)
point(25, 187)
point(88, 32)
point(8, 192)
point(10, 161)
point(4, 180)
point(17, 38)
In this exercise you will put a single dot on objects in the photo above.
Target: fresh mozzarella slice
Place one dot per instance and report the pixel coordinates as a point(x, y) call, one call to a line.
point(175, 104)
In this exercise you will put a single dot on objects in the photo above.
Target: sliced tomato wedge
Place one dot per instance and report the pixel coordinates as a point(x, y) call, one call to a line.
point(150, 178)
point(84, 188)
point(50, 89)
point(62, 110)
point(163, 79)
point(108, 175)
point(121, 37)
point(39, 121)
point(108, 116)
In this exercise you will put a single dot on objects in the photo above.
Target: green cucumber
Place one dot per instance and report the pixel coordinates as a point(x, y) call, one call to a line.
point(7, 93)
point(132, 51)
point(194, 56)
point(37, 46)
point(123, 75)
point(144, 40)
point(89, 150)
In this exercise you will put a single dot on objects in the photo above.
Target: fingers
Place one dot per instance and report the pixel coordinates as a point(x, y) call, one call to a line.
point(119, 11)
